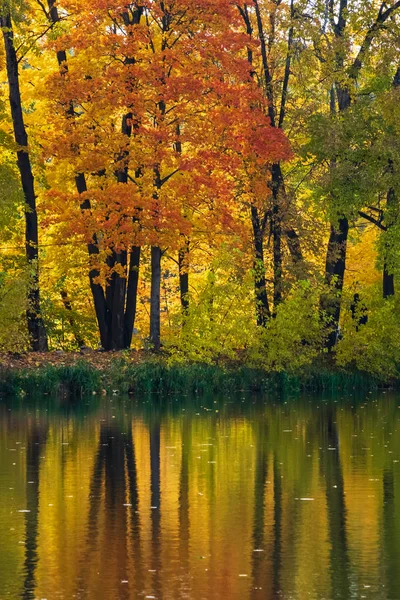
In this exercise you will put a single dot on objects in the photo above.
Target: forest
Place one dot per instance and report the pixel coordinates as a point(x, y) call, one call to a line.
point(215, 180)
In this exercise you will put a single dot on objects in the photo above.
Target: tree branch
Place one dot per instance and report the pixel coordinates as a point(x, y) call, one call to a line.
point(382, 17)
point(371, 219)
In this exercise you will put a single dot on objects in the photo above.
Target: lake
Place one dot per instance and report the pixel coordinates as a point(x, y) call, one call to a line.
point(200, 498)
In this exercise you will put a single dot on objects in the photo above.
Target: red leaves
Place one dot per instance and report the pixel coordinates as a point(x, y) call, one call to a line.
point(180, 65)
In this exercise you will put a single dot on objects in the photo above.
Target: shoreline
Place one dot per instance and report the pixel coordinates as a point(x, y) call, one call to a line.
point(93, 372)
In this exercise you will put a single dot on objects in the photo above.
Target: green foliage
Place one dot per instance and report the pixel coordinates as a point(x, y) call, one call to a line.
point(11, 202)
point(294, 337)
point(13, 333)
point(375, 346)
point(217, 324)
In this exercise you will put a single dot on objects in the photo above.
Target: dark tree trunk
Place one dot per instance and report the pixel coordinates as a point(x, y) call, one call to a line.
point(276, 226)
point(36, 329)
point(260, 284)
point(294, 246)
point(183, 266)
point(118, 305)
point(335, 265)
point(388, 282)
point(334, 273)
point(99, 299)
point(391, 201)
point(131, 294)
point(155, 297)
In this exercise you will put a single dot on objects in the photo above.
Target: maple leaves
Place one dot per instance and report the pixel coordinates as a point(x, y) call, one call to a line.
point(177, 65)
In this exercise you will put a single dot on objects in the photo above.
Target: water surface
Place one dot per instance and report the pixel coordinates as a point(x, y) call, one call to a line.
point(217, 498)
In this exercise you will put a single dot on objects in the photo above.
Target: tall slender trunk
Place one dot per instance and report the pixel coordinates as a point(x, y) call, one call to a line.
point(156, 252)
point(391, 201)
point(260, 285)
point(335, 265)
point(277, 118)
point(388, 275)
point(36, 329)
point(183, 254)
point(334, 273)
point(276, 226)
point(155, 297)
point(131, 294)
point(183, 267)
point(263, 312)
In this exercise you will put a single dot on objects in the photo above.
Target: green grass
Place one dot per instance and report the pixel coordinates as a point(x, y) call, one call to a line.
point(155, 376)
point(76, 380)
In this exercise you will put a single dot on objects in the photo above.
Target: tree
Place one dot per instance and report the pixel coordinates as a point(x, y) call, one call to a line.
point(163, 68)
point(37, 332)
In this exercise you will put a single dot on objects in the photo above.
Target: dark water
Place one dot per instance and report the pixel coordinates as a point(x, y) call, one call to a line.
point(209, 499)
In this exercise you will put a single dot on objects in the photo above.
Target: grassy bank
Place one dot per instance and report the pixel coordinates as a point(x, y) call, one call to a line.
point(121, 374)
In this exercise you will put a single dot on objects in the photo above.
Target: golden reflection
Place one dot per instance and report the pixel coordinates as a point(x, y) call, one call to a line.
point(208, 500)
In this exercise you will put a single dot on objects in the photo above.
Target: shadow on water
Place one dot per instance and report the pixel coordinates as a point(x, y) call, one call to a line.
point(36, 440)
point(184, 507)
point(155, 429)
point(114, 497)
point(331, 470)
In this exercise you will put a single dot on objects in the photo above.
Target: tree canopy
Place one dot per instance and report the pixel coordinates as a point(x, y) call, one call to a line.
point(218, 179)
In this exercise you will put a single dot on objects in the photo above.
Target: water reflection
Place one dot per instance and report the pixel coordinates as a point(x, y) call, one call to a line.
point(245, 499)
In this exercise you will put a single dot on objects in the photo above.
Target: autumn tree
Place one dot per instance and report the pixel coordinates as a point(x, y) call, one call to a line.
point(164, 70)
point(35, 324)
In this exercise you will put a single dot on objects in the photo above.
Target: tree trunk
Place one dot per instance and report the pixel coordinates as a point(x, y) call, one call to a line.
point(334, 273)
point(388, 275)
point(294, 246)
point(131, 294)
point(335, 265)
point(155, 297)
point(99, 299)
point(260, 285)
point(276, 225)
point(388, 282)
point(118, 304)
point(183, 266)
point(36, 329)
point(391, 201)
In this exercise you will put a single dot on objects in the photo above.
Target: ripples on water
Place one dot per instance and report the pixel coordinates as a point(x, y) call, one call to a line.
point(210, 499)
